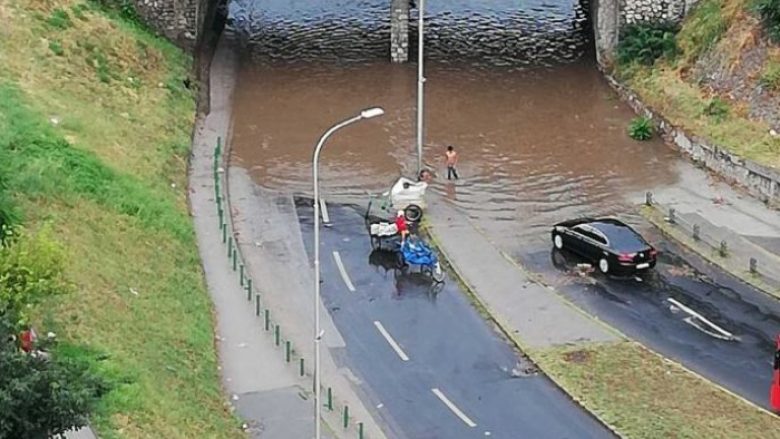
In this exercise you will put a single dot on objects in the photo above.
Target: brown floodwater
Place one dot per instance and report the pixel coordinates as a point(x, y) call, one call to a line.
point(537, 143)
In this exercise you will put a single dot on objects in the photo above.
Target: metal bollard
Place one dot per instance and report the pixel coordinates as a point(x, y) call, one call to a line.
point(257, 303)
point(277, 335)
point(360, 430)
point(230, 246)
point(330, 399)
point(753, 265)
point(249, 293)
point(724, 249)
point(221, 213)
point(671, 215)
point(267, 319)
point(235, 259)
point(346, 416)
point(241, 275)
point(648, 198)
point(302, 370)
point(696, 232)
point(287, 351)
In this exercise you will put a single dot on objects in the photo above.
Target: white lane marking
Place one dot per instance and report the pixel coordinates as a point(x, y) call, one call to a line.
point(343, 271)
point(723, 333)
point(390, 340)
point(454, 409)
point(324, 210)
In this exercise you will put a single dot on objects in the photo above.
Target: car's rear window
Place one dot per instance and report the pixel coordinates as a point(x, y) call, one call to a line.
point(621, 238)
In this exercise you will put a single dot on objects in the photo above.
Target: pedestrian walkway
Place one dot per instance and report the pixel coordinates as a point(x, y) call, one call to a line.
point(726, 226)
point(265, 392)
point(534, 314)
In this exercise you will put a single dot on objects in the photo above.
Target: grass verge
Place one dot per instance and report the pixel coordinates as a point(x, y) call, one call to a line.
point(95, 123)
point(646, 396)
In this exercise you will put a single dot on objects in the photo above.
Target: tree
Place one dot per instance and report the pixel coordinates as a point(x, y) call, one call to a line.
point(39, 396)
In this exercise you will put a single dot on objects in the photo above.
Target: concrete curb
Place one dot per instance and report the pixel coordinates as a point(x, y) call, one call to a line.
point(509, 332)
point(656, 218)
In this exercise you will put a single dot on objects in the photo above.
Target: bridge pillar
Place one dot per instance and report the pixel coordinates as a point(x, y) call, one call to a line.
point(605, 15)
point(399, 31)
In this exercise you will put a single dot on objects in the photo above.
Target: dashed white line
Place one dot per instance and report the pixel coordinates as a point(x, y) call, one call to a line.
point(324, 210)
point(343, 271)
point(723, 333)
point(390, 340)
point(454, 409)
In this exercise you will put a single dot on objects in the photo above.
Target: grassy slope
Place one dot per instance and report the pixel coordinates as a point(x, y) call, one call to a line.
point(725, 26)
point(645, 396)
point(95, 123)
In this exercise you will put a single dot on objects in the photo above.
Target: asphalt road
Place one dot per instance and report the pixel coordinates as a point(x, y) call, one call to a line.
point(640, 308)
point(423, 356)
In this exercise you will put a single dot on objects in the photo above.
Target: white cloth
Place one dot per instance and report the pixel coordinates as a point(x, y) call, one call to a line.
point(383, 229)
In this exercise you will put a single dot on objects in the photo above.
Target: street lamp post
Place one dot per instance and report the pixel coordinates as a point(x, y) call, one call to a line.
point(318, 333)
point(420, 84)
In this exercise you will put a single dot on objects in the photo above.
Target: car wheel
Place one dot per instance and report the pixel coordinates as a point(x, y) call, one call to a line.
point(604, 265)
point(558, 241)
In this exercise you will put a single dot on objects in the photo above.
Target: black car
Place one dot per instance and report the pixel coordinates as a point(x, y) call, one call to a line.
point(612, 246)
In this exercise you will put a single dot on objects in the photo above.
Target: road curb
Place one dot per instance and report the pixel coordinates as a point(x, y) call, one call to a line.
point(656, 218)
point(508, 331)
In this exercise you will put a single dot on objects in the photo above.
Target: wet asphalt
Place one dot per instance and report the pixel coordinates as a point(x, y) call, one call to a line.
point(639, 307)
point(449, 346)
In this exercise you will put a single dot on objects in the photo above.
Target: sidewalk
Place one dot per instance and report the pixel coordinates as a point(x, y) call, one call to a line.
point(707, 212)
point(265, 392)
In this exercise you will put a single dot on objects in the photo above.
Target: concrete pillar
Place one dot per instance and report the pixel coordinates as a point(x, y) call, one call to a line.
point(606, 28)
point(399, 31)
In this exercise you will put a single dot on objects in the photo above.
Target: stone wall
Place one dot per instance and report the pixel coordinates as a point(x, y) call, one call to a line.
point(761, 181)
point(643, 11)
point(181, 21)
point(399, 31)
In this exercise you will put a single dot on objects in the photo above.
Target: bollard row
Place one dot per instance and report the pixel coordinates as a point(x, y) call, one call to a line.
point(722, 246)
point(237, 264)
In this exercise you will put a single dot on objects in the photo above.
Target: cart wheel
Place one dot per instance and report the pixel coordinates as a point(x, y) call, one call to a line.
point(413, 213)
point(375, 242)
point(438, 273)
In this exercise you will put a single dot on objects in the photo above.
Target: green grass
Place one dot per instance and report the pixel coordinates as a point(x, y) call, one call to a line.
point(770, 78)
point(103, 164)
point(645, 396)
point(703, 28)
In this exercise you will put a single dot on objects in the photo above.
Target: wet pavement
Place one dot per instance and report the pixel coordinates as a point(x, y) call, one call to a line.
point(448, 345)
point(640, 308)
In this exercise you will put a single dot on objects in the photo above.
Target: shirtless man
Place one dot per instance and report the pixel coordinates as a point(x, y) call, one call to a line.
point(452, 160)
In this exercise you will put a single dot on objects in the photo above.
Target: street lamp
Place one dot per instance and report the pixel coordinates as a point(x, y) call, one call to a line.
point(318, 333)
point(420, 82)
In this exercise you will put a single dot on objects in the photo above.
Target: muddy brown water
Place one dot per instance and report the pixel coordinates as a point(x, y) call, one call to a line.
point(540, 138)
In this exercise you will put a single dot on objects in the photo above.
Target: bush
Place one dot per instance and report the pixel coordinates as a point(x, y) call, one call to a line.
point(641, 128)
point(770, 16)
point(770, 78)
point(644, 43)
point(31, 267)
point(717, 108)
point(39, 397)
point(60, 19)
point(56, 48)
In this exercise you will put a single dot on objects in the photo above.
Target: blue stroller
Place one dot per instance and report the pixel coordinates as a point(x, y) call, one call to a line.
point(415, 252)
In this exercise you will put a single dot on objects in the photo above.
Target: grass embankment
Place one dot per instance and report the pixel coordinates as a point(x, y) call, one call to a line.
point(95, 120)
point(721, 30)
point(645, 396)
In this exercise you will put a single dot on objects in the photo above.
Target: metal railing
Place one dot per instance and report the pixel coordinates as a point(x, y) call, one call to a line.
point(271, 326)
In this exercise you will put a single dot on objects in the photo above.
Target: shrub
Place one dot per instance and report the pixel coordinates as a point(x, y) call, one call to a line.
point(31, 268)
point(717, 108)
point(641, 128)
point(770, 78)
point(770, 16)
point(644, 43)
point(60, 19)
point(704, 27)
point(56, 48)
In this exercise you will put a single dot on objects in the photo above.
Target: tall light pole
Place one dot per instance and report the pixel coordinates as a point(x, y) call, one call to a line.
point(365, 114)
point(420, 82)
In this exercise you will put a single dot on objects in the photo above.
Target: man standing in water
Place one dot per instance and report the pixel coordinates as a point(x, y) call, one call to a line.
point(452, 161)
